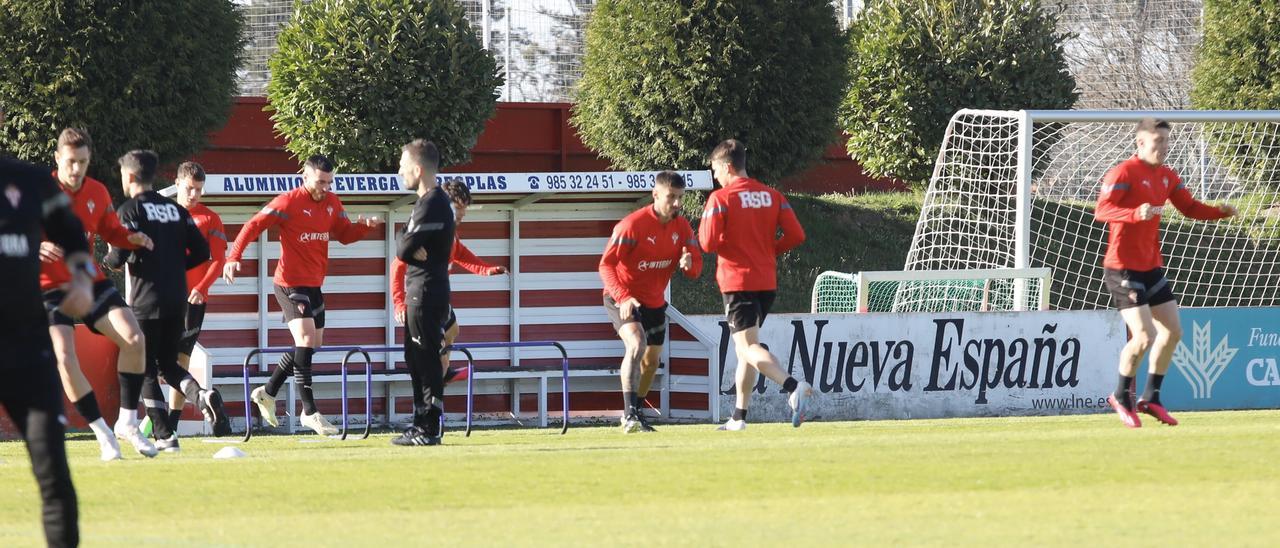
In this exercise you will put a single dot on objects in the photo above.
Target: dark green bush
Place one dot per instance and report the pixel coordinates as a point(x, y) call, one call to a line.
point(914, 63)
point(664, 81)
point(156, 74)
point(1238, 68)
point(356, 80)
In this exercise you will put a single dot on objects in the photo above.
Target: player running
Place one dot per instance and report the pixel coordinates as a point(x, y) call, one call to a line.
point(425, 247)
point(158, 291)
point(740, 224)
point(646, 248)
point(190, 185)
point(1133, 196)
point(29, 387)
point(109, 316)
point(307, 217)
point(460, 197)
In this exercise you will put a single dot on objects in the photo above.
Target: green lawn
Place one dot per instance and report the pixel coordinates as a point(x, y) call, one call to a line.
point(1027, 481)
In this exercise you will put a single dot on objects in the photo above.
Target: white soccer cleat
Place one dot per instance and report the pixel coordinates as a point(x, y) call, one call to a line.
point(169, 444)
point(130, 433)
point(630, 425)
point(319, 424)
point(799, 401)
point(109, 447)
point(733, 426)
point(266, 405)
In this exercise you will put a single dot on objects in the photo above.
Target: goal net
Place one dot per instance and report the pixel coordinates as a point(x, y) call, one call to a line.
point(1017, 189)
point(919, 291)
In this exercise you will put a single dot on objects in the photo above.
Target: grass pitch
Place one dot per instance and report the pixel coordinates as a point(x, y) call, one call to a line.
point(1214, 480)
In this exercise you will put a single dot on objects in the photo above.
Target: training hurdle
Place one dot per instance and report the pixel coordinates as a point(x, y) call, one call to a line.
point(363, 352)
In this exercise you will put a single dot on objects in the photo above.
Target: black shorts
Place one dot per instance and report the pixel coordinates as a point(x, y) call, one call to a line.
point(1130, 288)
point(301, 302)
point(653, 321)
point(191, 328)
point(747, 309)
point(105, 298)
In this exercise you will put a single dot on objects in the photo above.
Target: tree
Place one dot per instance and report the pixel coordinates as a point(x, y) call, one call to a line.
point(913, 63)
point(156, 74)
point(355, 80)
point(1239, 69)
point(665, 80)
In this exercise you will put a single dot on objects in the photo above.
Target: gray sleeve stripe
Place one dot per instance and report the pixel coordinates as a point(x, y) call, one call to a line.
point(61, 200)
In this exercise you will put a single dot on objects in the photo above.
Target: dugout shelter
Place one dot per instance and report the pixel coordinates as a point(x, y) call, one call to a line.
point(547, 229)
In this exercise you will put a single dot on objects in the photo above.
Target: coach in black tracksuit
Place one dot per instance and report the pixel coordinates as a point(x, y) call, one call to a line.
point(157, 289)
point(425, 248)
point(32, 206)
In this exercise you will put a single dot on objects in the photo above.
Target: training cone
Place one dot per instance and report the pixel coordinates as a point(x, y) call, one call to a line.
point(229, 452)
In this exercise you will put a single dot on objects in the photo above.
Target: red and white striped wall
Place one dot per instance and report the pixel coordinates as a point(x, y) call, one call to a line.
point(550, 243)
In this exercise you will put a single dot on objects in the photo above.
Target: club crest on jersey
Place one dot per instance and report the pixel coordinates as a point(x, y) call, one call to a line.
point(329, 209)
point(13, 194)
point(90, 205)
point(1166, 182)
point(674, 238)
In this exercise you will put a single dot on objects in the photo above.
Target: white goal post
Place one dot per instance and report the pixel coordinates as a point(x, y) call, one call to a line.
point(1017, 190)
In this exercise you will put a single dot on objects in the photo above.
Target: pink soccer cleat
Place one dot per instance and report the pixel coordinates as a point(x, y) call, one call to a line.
point(1127, 416)
point(1158, 411)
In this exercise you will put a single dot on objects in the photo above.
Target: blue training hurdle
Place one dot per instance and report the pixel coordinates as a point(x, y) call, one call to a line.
point(351, 351)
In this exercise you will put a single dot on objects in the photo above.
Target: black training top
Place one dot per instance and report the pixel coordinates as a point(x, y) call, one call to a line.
point(431, 227)
point(158, 277)
point(32, 208)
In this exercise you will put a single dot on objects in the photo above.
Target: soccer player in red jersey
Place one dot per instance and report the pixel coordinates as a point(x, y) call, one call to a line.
point(109, 316)
point(1133, 196)
point(306, 216)
point(460, 195)
point(190, 183)
point(642, 254)
point(740, 225)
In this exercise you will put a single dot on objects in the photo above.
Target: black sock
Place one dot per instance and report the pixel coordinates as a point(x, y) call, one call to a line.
point(1122, 391)
point(790, 384)
point(632, 402)
point(88, 407)
point(1152, 392)
point(302, 376)
point(175, 416)
point(278, 375)
point(739, 414)
point(432, 425)
point(159, 423)
point(130, 389)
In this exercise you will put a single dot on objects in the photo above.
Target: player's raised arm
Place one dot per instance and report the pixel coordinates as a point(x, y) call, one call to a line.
point(271, 215)
point(1195, 209)
point(692, 266)
point(1115, 186)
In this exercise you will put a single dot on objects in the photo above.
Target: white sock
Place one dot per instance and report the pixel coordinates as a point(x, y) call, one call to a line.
point(128, 417)
point(100, 430)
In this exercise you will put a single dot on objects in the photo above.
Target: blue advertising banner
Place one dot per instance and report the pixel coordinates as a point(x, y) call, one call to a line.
point(1227, 359)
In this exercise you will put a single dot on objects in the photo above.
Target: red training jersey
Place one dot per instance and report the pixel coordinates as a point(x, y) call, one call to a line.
point(642, 255)
point(305, 227)
point(209, 223)
point(92, 204)
point(459, 255)
point(1134, 244)
point(740, 224)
